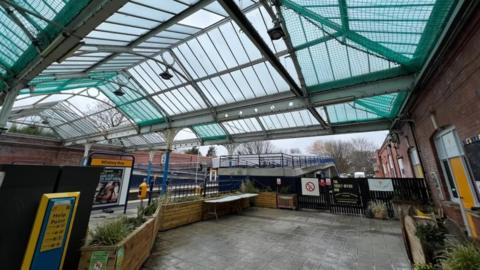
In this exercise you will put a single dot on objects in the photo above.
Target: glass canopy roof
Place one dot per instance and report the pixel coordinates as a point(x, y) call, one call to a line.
point(230, 81)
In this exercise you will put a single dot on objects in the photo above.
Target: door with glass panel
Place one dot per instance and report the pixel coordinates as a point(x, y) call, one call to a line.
point(451, 156)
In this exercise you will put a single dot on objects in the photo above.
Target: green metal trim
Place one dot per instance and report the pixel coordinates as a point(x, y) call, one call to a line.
point(342, 4)
point(374, 76)
point(214, 138)
point(151, 122)
point(365, 42)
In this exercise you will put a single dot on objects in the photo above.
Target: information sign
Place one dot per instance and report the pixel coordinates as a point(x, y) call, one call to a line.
point(380, 184)
point(346, 191)
point(310, 187)
point(51, 229)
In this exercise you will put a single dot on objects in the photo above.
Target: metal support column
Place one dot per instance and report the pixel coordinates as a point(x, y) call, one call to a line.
point(7, 108)
point(169, 136)
point(86, 151)
point(151, 155)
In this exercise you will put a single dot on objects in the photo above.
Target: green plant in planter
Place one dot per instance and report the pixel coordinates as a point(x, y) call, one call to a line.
point(432, 238)
point(423, 266)
point(248, 187)
point(149, 209)
point(462, 257)
point(110, 233)
point(378, 209)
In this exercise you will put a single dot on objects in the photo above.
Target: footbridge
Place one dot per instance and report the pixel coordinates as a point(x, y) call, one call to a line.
point(275, 165)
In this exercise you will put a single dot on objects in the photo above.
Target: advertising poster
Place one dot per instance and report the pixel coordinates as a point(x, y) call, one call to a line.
point(109, 187)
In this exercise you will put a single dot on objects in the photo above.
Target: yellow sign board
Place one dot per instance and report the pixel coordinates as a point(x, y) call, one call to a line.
point(51, 230)
point(111, 162)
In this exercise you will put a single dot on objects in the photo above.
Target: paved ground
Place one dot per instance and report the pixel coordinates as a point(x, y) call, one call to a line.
point(262, 238)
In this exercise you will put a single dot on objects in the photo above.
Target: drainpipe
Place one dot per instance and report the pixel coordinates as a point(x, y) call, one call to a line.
point(411, 124)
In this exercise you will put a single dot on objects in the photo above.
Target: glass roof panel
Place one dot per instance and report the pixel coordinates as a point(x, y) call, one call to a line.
point(211, 131)
point(302, 118)
point(242, 126)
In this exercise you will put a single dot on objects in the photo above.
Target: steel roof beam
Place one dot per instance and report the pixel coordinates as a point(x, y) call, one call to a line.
point(279, 134)
point(237, 15)
point(283, 102)
point(259, 136)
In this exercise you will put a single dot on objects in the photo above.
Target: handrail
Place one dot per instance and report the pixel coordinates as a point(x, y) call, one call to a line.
point(276, 160)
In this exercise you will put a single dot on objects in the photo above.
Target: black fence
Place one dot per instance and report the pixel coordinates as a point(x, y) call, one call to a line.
point(354, 199)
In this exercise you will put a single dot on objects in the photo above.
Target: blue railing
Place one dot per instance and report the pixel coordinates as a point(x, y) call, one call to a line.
point(273, 161)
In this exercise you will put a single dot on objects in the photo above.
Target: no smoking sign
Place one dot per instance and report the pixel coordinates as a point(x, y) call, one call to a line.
point(310, 187)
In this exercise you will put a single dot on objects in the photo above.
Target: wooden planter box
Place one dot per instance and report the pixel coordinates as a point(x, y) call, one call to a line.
point(287, 201)
point(178, 214)
point(137, 247)
point(266, 200)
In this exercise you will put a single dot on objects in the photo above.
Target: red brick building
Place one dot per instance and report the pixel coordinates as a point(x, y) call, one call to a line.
point(440, 126)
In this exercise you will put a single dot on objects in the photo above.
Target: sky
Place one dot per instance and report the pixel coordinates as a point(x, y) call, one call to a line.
point(376, 137)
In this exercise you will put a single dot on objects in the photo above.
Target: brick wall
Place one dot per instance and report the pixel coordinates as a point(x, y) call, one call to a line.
point(24, 149)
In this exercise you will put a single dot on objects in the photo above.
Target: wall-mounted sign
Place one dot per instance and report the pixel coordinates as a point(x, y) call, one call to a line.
point(112, 188)
point(380, 184)
point(51, 231)
point(346, 191)
point(310, 187)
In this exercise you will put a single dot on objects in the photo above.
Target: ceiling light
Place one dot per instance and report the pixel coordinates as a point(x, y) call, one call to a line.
point(290, 104)
point(166, 75)
point(272, 107)
point(226, 115)
point(119, 92)
point(256, 110)
point(240, 113)
point(276, 32)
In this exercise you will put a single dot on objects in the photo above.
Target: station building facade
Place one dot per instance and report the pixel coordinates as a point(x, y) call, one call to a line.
point(438, 136)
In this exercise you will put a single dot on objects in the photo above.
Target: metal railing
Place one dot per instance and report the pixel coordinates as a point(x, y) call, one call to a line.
point(272, 161)
point(185, 191)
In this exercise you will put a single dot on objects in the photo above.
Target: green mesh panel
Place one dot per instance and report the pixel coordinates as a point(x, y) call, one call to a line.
point(365, 109)
point(209, 132)
point(16, 49)
point(349, 42)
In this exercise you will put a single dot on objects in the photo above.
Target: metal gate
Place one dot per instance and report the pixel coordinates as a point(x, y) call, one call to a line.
point(411, 189)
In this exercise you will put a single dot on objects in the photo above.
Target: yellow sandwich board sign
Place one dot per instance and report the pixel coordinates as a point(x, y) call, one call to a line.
point(50, 234)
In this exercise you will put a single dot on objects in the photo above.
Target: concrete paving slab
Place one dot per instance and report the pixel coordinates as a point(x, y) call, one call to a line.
point(277, 239)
